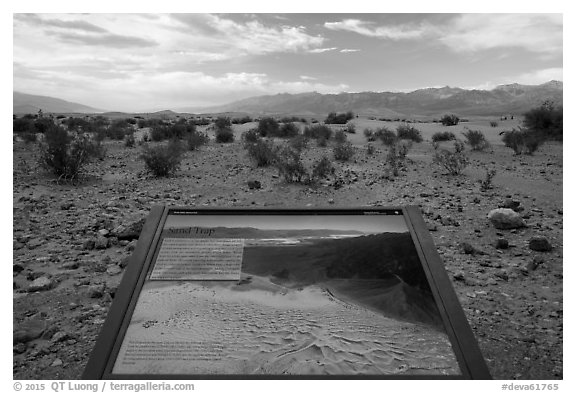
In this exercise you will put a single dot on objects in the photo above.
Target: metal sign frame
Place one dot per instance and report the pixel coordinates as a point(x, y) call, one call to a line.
point(464, 344)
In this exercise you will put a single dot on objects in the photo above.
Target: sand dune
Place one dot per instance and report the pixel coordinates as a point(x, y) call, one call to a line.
point(222, 328)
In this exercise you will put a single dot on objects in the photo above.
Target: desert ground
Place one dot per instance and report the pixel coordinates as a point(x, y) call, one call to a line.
point(67, 263)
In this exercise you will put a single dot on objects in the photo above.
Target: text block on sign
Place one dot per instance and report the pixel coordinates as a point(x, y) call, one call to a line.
point(199, 259)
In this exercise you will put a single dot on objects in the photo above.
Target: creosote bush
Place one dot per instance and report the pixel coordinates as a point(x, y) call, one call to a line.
point(370, 149)
point(343, 151)
point(262, 152)
point(224, 135)
point(387, 136)
point(545, 121)
point(449, 120)
point(288, 130)
point(321, 169)
point(129, 140)
point(369, 134)
point(454, 162)
point(196, 139)
point(522, 141)
point(299, 142)
point(66, 154)
point(486, 183)
point(443, 136)
point(318, 131)
point(493, 124)
point(396, 157)
point(340, 136)
point(290, 166)
point(408, 132)
point(268, 126)
point(338, 118)
point(476, 140)
point(163, 160)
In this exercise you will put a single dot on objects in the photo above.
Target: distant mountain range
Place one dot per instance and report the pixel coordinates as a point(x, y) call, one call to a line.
point(504, 99)
point(28, 103)
point(430, 102)
point(254, 233)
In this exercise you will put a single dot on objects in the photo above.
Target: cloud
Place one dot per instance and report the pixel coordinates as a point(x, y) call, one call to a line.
point(541, 33)
point(349, 50)
point(398, 32)
point(109, 40)
point(321, 50)
point(65, 24)
point(307, 78)
point(250, 37)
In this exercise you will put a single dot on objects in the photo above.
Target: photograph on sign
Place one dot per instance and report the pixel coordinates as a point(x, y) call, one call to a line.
point(286, 295)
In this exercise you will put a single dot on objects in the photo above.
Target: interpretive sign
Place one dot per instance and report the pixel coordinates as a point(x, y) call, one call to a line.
point(355, 293)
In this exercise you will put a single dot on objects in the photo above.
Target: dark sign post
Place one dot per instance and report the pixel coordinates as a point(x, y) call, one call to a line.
point(285, 293)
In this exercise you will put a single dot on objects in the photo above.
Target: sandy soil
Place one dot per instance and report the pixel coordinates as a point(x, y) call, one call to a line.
point(515, 312)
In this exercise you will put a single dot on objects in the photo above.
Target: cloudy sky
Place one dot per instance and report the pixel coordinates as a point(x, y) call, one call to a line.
point(134, 62)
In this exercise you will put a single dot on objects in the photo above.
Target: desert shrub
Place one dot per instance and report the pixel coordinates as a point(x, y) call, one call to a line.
point(224, 135)
point(493, 124)
point(22, 126)
point(454, 162)
point(350, 128)
point(196, 139)
point(343, 151)
point(78, 125)
point(262, 152)
point(370, 149)
point(443, 136)
point(67, 154)
point(250, 136)
point(42, 124)
point(28, 137)
point(522, 141)
point(369, 134)
point(268, 126)
point(387, 137)
point(340, 136)
point(396, 156)
point(322, 142)
point(407, 132)
point(299, 142)
point(242, 120)
point(476, 140)
point(318, 131)
point(222, 122)
point(338, 118)
point(449, 120)
point(545, 121)
point(129, 140)
point(290, 166)
point(163, 160)
point(288, 130)
point(486, 183)
point(321, 169)
point(290, 119)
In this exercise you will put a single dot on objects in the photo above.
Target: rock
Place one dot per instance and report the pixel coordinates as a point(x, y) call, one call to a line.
point(124, 262)
point(540, 243)
point(34, 243)
point(56, 363)
point(59, 337)
point(501, 244)
point(132, 232)
point(449, 221)
point(468, 248)
point(41, 284)
point(89, 244)
point(512, 204)
point(72, 265)
point(459, 276)
point(66, 205)
point(20, 348)
point(101, 243)
point(533, 264)
point(103, 232)
point(29, 330)
point(254, 184)
point(505, 219)
point(331, 201)
point(96, 291)
point(113, 270)
point(132, 245)
point(17, 268)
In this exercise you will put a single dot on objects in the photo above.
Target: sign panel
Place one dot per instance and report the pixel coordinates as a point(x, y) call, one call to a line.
point(323, 293)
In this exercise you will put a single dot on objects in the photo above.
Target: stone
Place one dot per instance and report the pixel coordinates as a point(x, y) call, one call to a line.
point(113, 270)
point(101, 243)
point(28, 330)
point(56, 363)
point(72, 265)
point(254, 184)
point(501, 244)
point(540, 243)
point(96, 291)
point(103, 232)
point(34, 243)
point(17, 268)
point(66, 205)
point(468, 248)
point(510, 203)
point(41, 284)
point(124, 262)
point(89, 244)
point(59, 337)
point(132, 231)
point(20, 348)
point(503, 218)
